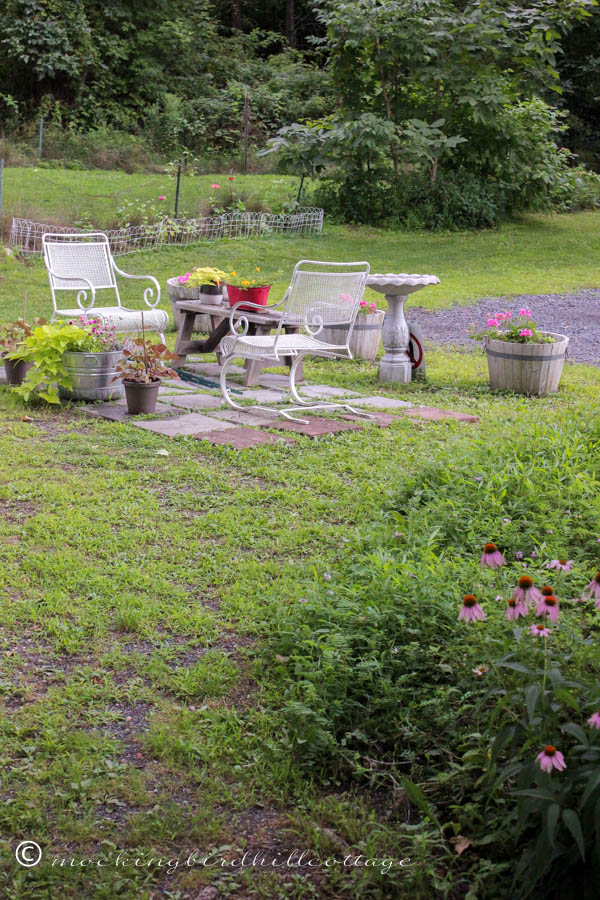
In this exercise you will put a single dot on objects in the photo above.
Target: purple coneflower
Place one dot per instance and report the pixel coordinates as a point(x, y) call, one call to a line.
point(551, 758)
point(593, 587)
point(594, 720)
point(548, 606)
point(470, 610)
point(480, 670)
point(526, 592)
point(563, 565)
point(492, 557)
point(540, 631)
point(514, 609)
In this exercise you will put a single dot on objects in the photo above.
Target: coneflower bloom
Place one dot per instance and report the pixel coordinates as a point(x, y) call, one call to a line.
point(594, 720)
point(526, 592)
point(492, 557)
point(514, 609)
point(548, 606)
point(593, 587)
point(540, 630)
point(546, 590)
point(563, 565)
point(551, 758)
point(470, 610)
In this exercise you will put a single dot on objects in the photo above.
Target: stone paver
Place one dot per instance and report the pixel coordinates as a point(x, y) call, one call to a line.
point(264, 396)
point(315, 427)
point(243, 438)
point(212, 369)
point(197, 401)
point(117, 411)
point(324, 392)
point(431, 413)
point(192, 423)
point(255, 418)
point(382, 403)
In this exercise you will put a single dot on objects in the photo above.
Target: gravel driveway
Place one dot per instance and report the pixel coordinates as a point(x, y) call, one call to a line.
point(576, 315)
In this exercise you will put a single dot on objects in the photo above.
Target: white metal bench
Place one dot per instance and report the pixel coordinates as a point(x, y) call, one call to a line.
point(320, 295)
point(84, 263)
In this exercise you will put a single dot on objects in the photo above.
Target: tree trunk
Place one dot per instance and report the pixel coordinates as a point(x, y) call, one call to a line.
point(236, 14)
point(290, 26)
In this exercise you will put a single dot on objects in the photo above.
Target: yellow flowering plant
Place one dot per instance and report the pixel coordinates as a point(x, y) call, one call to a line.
point(247, 280)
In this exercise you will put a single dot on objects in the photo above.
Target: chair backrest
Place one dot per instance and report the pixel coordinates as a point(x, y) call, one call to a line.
point(324, 293)
point(72, 255)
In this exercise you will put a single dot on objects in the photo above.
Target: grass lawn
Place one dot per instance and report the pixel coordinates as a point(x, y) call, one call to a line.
point(143, 584)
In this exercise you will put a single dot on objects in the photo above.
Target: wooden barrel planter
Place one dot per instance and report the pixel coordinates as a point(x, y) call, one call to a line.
point(533, 369)
point(178, 292)
point(365, 337)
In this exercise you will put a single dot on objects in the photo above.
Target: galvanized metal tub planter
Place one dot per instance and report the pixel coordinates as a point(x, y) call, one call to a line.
point(141, 396)
point(178, 292)
point(365, 337)
point(16, 370)
point(93, 376)
point(533, 369)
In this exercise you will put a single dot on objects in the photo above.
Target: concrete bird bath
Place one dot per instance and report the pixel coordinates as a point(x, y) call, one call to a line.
point(395, 364)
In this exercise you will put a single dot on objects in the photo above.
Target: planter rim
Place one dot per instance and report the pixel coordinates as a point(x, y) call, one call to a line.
point(560, 338)
point(144, 384)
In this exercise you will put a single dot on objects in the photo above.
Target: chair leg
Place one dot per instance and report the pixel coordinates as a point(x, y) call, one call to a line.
point(223, 384)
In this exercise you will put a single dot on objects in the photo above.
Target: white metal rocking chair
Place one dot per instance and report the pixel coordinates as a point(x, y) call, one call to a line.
point(325, 295)
point(82, 263)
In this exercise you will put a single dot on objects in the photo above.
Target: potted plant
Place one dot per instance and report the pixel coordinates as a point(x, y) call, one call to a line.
point(208, 281)
point(141, 369)
point(12, 337)
point(241, 287)
point(520, 358)
point(90, 362)
point(366, 334)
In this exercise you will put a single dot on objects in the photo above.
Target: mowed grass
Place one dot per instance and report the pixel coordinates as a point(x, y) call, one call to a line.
point(536, 255)
point(141, 578)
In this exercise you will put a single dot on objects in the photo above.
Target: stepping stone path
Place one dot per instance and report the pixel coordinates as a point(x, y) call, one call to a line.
point(188, 409)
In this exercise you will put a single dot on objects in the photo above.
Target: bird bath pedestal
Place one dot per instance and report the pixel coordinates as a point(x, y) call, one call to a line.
point(395, 364)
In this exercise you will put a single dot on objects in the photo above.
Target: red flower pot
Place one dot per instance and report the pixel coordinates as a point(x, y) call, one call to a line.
point(253, 294)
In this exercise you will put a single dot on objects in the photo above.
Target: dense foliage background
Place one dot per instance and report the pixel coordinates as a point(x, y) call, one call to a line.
point(414, 113)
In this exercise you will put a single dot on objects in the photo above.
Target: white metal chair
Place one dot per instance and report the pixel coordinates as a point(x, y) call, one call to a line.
point(321, 295)
point(82, 263)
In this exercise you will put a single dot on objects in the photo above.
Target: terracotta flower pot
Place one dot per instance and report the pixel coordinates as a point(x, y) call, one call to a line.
point(141, 396)
point(16, 370)
point(257, 295)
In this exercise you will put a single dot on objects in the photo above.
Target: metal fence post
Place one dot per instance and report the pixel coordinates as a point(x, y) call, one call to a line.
point(41, 146)
point(177, 189)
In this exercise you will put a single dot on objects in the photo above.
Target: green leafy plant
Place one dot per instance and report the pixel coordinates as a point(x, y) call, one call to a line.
point(144, 362)
point(13, 334)
point(200, 276)
point(45, 347)
point(502, 327)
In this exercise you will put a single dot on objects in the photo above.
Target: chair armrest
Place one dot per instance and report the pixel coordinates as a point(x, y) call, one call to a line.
point(149, 292)
point(81, 295)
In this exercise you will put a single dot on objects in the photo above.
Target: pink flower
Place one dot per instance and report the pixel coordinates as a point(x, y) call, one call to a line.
point(507, 315)
point(161, 197)
point(363, 303)
point(593, 587)
point(515, 609)
point(183, 278)
point(500, 317)
point(526, 332)
point(526, 592)
point(524, 312)
point(492, 323)
point(551, 758)
point(215, 187)
point(231, 178)
point(470, 610)
point(594, 720)
point(563, 565)
point(492, 557)
point(540, 631)
point(372, 306)
point(548, 606)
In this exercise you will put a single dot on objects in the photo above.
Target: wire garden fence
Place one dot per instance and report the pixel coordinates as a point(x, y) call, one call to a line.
point(26, 236)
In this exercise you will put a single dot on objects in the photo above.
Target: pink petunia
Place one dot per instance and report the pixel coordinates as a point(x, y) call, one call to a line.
point(548, 606)
point(563, 565)
point(183, 278)
point(492, 557)
point(594, 720)
point(514, 609)
point(500, 317)
point(526, 592)
point(215, 187)
point(492, 323)
point(470, 610)
point(526, 332)
point(363, 303)
point(525, 311)
point(593, 587)
point(507, 315)
point(161, 196)
point(539, 630)
point(231, 178)
point(551, 758)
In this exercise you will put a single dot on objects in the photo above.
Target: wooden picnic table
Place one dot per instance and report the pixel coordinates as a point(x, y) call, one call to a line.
point(258, 323)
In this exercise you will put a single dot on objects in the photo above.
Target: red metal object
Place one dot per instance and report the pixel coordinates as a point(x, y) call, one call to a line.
point(257, 295)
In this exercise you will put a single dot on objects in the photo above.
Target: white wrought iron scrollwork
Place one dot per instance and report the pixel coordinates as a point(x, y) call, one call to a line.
point(313, 322)
point(81, 299)
point(148, 295)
